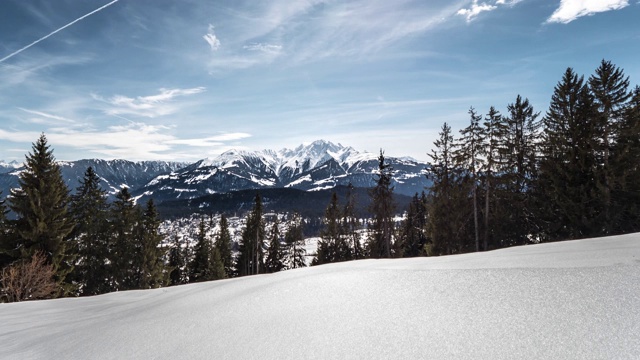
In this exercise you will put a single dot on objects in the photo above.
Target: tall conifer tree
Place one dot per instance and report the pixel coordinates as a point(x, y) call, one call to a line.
point(382, 208)
point(223, 244)
point(251, 251)
point(40, 203)
point(152, 271)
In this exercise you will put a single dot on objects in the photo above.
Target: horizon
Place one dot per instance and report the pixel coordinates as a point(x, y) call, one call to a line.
point(150, 80)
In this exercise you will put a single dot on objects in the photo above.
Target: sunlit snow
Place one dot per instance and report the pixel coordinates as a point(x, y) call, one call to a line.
point(566, 300)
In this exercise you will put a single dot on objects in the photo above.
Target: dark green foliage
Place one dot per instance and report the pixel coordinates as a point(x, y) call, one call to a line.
point(447, 198)
point(8, 247)
point(89, 210)
point(333, 246)
point(207, 264)
point(152, 273)
point(125, 250)
point(177, 263)
point(40, 203)
point(569, 166)
point(382, 209)
point(412, 232)
point(294, 242)
point(350, 225)
point(251, 251)
point(223, 244)
point(275, 253)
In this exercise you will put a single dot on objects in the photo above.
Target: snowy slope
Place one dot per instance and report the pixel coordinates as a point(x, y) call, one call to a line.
point(568, 300)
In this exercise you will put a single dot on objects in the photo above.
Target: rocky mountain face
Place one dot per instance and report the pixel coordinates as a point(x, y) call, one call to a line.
point(318, 166)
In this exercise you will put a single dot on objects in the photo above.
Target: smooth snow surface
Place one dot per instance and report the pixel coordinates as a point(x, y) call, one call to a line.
point(568, 300)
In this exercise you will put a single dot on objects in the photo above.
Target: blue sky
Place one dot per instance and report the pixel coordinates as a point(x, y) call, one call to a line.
point(169, 80)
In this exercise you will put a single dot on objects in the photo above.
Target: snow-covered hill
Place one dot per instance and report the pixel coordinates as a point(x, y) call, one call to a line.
point(566, 300)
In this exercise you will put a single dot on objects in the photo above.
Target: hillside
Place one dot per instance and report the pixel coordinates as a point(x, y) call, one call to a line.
point(575, 299)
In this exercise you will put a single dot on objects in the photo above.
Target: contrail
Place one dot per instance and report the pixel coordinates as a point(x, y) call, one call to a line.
point(56, 31)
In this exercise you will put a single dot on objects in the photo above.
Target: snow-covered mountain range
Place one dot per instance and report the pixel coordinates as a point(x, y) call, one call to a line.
point(316, 166)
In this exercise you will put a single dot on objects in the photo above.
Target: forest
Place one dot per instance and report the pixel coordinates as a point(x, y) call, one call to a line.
point(507, 179)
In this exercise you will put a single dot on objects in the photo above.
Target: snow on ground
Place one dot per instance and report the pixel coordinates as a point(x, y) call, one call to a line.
point(567, 300)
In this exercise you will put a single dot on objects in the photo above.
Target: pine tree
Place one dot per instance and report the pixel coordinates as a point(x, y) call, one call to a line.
point(177, 263)
point(201, 264)
point(626, 167)
point(467, 156)
point(332, 247)
point(447, 197)
point(152, 272)
point(518, 170)
point(275, 253)
point(89, 210)
point(412, 231)
point(223, 244)
point(250, 253)
point(568, 168)
point(382, 209)
point(294, 241)
point(610, 89)
point(351, 226)
point(8, 247)
point(40, 204)
point(125, 249)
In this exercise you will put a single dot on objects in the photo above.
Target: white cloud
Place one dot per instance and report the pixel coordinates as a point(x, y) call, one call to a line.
point(475, 10)
point(211, 39)
point(41, 114)
point(210, 141)
point(146, 106)
point(266, 48)
point(570, 10)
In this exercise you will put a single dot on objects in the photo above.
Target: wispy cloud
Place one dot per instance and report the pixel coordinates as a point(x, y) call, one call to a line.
point(266, 48)
point(56, 31)
point(48, 116)
point(570, 10)
point(210, 141)
point(211, 39)
point(146, 106)
point(475, 9)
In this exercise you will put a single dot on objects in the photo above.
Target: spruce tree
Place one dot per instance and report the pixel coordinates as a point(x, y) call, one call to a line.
point(251, 250)
point(152, 272)
point(382, 208)
point(41, 205)
point(8, 248)
point(177, 263)
point(610, 89)
point(467, 156)
point(412, 231)
point(518, 170)
point(626, 167)
point(447, 197)
point(89, 210)
point(201, 264)
point(125, 249)
point(275, 253)
point(294, 242)
point(223, 244)
point(572, 197)
point(332, 246)
point(350, 224)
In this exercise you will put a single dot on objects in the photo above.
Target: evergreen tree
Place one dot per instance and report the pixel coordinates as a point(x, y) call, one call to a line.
point(518, 170)
point(382, 208)
point(332, 247)
point(350, 225)
point(89, 210)
point(177, 263)
point(223, 244)
point(467, 156)
point(201, 265)
point(572, 197)
point(626, 167)
point(152, 272)
point(610, 89)
point(447, 197)
point(294, 242)
point(40, 203)
point(251, 251)
point(8, 252)
point(412, 231)
point(275, 253)
point(125, 249)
